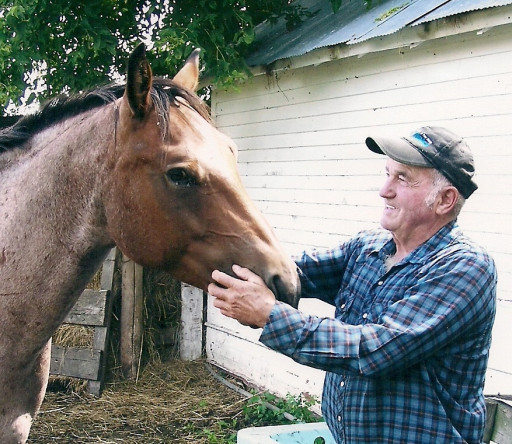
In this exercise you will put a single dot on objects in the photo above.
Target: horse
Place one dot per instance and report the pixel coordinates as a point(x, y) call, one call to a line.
point(140, 166)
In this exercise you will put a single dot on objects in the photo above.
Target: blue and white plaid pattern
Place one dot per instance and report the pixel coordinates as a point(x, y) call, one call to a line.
point(407, 352)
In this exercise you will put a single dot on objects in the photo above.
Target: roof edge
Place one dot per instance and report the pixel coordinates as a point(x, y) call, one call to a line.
point(478, 21)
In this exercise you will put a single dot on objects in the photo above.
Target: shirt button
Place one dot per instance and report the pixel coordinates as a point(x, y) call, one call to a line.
point(380, 282)
point(342, 306)
point(342, 384)
point(339, 418)
point(365, 315)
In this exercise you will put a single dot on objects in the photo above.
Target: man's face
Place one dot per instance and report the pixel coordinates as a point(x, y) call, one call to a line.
point(406, 213)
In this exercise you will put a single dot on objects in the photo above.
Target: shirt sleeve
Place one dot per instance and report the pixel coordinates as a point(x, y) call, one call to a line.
point(455, 299)
point(320, 272)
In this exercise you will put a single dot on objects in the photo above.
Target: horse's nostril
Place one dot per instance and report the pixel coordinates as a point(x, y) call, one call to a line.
point(285, 293)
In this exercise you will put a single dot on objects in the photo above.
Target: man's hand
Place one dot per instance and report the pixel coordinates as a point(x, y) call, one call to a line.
point(246, 299)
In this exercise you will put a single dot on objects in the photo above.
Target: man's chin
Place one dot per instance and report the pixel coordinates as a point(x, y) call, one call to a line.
point(386, 224)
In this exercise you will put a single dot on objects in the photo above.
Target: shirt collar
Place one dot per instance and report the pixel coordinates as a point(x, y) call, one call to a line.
point(422, 253)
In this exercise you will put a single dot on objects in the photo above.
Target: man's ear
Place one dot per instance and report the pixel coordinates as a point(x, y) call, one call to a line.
point(447, 199)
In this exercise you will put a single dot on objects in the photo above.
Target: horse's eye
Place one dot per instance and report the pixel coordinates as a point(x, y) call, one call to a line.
point(181, 177)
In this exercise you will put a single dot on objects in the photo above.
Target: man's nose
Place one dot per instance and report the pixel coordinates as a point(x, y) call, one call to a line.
point(386, 190)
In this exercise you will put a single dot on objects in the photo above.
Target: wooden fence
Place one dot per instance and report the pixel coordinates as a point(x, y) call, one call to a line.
point(93, 309)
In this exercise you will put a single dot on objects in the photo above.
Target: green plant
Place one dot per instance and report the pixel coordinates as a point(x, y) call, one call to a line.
point(390, 12)
point(262, 409)
point(221, 432)
point(267, 409)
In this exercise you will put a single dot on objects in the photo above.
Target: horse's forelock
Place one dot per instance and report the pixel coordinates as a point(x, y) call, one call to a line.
point(165, 94)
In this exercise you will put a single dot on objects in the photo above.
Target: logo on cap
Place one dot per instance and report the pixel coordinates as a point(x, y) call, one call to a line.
point(422, 138)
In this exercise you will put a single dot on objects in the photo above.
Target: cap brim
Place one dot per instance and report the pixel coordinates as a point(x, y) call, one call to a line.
point(397, 149)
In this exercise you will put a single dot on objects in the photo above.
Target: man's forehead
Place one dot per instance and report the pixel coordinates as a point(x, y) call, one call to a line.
point(392, 166)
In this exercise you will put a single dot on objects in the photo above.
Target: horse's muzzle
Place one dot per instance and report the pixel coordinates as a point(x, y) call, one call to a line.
point(286, 292)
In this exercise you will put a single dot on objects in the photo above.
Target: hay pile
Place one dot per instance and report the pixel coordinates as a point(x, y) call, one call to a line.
point(173, 402)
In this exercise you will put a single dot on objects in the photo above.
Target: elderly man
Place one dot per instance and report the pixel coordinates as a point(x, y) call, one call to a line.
point(407, 351)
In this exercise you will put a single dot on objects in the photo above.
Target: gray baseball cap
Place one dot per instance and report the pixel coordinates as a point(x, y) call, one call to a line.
point(432, 147)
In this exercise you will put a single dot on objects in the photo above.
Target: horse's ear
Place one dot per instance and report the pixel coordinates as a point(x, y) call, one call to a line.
point(188, 76)
point(139, 79)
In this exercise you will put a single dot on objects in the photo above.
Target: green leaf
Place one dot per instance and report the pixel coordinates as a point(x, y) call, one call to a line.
point(17, 11)
point(249, 37)
point(336, 4)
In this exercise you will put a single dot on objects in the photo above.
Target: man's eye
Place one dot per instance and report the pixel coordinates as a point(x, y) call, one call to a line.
point(181, 177)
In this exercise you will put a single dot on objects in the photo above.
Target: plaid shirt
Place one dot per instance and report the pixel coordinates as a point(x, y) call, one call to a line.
point(407, 351)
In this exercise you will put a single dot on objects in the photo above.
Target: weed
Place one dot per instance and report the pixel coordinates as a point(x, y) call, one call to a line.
point(267, 409)
point(262, 409)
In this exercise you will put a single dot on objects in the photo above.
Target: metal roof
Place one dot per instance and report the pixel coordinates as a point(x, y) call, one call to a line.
point(352, 23)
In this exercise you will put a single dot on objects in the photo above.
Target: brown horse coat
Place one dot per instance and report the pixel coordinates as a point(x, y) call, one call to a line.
point(146, 171)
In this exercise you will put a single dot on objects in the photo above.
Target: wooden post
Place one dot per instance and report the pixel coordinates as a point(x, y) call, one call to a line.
point(132, 318)
point(101, 334)
point(191, 332)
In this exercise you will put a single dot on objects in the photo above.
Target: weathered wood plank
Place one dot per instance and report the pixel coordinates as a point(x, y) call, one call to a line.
point(191, 332)
point(132, 317)
point(95, 387)
point(100, 338)
point(101, 334)
point(75, 362)
point(502, 427)
point(89, 309)
point(491, 406)
point(107, 272)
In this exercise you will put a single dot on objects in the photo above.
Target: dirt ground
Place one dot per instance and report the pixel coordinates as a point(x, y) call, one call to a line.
point(173, 402)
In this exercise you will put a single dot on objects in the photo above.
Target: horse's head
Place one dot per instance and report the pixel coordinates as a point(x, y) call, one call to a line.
point(175, 199)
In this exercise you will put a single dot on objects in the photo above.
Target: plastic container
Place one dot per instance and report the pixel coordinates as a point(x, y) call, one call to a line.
point(312, 433)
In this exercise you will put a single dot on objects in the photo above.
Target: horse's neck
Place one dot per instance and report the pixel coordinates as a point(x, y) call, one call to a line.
point(52, 234)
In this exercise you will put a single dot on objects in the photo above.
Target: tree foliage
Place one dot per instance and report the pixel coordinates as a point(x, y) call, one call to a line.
point(73, 45)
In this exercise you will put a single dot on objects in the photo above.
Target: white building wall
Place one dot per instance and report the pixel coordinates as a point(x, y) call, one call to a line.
point(302, 157)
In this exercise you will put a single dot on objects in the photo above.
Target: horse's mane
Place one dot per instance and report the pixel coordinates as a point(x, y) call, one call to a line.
point(163, 94)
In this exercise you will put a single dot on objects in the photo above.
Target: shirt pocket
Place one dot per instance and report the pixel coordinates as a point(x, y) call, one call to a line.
point(344, 302)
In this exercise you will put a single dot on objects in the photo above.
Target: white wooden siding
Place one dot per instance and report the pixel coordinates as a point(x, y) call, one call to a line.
point(303, 160)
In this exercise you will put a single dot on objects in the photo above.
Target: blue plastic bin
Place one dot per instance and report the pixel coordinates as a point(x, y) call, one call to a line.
point(287, 434)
